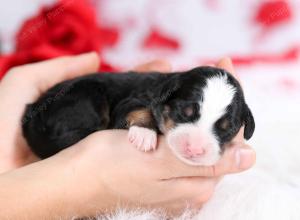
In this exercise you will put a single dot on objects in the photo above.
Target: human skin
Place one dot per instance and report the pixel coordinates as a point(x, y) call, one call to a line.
point(102, 171)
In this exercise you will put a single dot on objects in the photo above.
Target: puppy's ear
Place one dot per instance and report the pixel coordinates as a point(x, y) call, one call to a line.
point(248, 122)
point(166, 89)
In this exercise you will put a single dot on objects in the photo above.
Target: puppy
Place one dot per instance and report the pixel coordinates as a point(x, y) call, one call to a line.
point(198, 111)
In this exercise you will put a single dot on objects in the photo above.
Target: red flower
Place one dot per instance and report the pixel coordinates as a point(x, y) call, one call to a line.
point(69, 27)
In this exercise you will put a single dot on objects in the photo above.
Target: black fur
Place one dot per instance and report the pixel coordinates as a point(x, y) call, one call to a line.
point(73, 109)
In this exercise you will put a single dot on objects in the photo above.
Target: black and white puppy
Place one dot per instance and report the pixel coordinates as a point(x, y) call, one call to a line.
point(198, 111)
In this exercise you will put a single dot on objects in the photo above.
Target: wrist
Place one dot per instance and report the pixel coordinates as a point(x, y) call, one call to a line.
point(84, 193)
point(43, 190)
point(75, 191)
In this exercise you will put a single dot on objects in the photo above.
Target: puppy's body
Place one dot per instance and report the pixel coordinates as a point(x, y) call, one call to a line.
point(179, 105)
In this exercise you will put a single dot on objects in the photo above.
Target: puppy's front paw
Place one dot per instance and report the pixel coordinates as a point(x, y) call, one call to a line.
point(144, 139)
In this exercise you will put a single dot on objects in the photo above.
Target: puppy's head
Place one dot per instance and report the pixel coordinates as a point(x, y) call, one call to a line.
point(199, 112)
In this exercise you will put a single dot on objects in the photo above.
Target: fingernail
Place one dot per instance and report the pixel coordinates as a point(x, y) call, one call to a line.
point(244, 158)
point(89, 61)
point(226, 64)
point(227, 60)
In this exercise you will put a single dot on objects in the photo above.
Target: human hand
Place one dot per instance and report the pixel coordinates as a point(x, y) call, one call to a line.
point(155, 179)
point(189, 183)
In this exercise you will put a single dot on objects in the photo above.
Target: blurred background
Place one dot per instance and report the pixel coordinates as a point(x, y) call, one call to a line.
point(262, 37)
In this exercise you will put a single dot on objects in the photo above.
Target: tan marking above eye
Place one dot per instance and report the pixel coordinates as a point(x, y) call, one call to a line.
point(166, 110)
point(224, 124)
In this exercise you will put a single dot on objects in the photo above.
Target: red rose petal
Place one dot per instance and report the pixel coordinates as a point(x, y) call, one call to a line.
point(272, 13)
point(68, 27)
point(157, 40)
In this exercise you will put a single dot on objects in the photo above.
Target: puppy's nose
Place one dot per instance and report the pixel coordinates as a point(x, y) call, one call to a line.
point(192, 146)
point(193, 151)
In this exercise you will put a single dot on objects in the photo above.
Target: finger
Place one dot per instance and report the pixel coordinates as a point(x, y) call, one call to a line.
point(239, 138)
point(199, 190)
point(193, 189)
point(185, 193)
point(226, 64)
point(48, 73)
point(155, 65)
point(236, 158)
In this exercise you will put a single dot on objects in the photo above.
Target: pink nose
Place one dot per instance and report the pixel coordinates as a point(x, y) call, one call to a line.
point(192, 148)
point(193, 151)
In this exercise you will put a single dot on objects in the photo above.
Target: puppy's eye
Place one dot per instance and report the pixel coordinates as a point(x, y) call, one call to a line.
point(166, 110)
point(188, 111)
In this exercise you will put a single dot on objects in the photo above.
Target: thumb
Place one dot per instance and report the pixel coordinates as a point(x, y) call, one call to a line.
point(235, 159)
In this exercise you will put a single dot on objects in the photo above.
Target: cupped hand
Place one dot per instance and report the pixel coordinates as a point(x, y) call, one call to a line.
point(155, 179)
point(113, 169)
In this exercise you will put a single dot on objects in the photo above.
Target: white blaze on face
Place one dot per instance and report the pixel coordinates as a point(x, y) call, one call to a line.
point(217, 95)
point(195, 143)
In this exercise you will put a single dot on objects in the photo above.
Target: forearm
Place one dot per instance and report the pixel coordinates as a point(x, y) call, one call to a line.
point(41, 190)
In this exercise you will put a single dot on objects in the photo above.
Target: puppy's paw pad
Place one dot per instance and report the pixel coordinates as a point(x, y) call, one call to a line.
point(144, 139)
